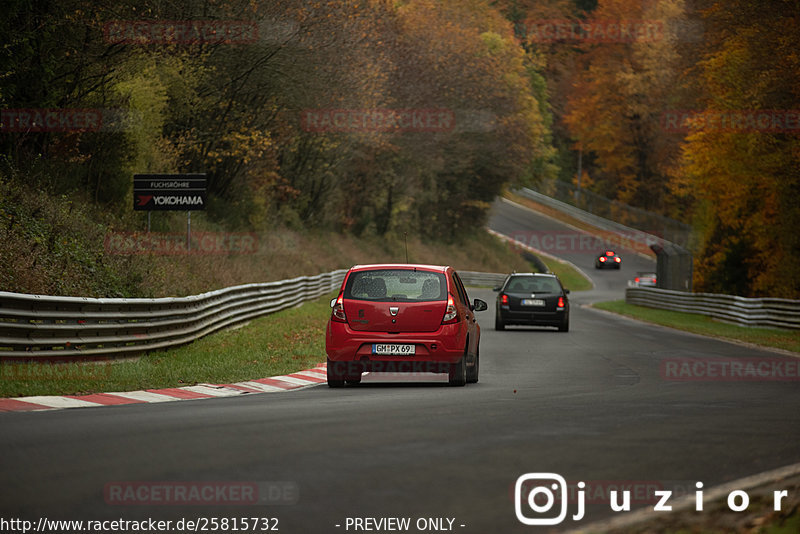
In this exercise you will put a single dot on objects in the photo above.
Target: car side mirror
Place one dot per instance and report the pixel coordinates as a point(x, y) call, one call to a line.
point(479, 305)
point(566, 291)
point(498, 288)
point(333, 302)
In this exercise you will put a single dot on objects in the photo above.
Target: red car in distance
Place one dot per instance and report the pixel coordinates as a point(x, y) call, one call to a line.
point(403, 318)
point(608, 260)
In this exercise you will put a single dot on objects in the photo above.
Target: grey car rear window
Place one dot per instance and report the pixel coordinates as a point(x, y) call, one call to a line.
point(532, 284)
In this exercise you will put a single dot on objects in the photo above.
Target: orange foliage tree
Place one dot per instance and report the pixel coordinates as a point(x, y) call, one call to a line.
point(745, 171)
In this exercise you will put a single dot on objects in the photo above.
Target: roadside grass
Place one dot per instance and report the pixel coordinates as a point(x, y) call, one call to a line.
point(54, 245)
point(570, 278)
point(280, 343)
point(701, 324)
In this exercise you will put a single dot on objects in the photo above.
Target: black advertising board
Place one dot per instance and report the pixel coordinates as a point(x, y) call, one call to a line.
point(169, 192)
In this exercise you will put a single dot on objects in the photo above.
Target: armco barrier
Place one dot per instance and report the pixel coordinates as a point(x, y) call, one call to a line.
point(40, 327)
point(472, 278)
point(55, 328)
point(771, 312)
point(632, 234)
point(602, 210)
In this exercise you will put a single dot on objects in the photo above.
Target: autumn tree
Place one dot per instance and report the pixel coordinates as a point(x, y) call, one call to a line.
point(744, 173)
point(617, 102)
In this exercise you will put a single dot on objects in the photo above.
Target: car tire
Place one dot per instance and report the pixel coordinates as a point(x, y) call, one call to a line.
point(335, 379)
point(564, 326)
point(457, 375)
point(498, 323)
point(352, 380)
point(472, 372)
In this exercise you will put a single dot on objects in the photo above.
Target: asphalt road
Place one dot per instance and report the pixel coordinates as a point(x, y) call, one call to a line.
point(591, 404)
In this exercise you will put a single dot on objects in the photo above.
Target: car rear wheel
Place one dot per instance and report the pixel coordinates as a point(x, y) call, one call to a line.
point(564, 326)
point(335, 376)
point(472, 372)
point(498, 322)
point(458, 372)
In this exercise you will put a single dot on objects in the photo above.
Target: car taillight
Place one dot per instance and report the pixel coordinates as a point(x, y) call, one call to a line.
point(504, 300)
point(609, 253)
point(617, 259)
point(560, 302)
point(602, 258)
point(337, 314)
point(636, 279)
point(451, 313)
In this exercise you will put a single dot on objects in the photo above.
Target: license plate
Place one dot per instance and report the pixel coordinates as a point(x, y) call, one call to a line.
point(532, 302)
point(391, 349)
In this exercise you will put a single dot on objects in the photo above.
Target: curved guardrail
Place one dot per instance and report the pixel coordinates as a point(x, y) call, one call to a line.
point(39, 327)
point(629, 234)
point(770, 312)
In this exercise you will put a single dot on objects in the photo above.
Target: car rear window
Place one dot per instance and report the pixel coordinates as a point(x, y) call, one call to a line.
point(396, 285)
point(531, 284)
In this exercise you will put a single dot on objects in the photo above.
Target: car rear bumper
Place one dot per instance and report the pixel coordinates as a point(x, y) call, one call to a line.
point(444, 346)
point(541, 318)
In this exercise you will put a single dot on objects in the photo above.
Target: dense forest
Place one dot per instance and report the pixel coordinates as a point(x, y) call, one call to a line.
point(379, 117)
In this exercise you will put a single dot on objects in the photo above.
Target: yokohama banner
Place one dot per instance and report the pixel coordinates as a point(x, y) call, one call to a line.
point(165, 192)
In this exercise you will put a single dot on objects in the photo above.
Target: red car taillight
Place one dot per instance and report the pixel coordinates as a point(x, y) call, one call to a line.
point(451, 313)
point(504, 300)
point(602, 259)
point(337, 314)
point(617, 259)
point(560, 302)
point(636, 279)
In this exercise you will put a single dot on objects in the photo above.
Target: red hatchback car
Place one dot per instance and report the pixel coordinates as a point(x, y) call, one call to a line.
point(403, 318)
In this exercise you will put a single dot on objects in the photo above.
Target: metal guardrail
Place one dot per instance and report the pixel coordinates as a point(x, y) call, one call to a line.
point(626, 232)
point(770, 312)
point(473, 278)
point(590, 202)
point(44, 327)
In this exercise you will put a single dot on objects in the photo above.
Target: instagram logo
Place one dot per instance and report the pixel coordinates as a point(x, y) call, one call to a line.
point(540, 491)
